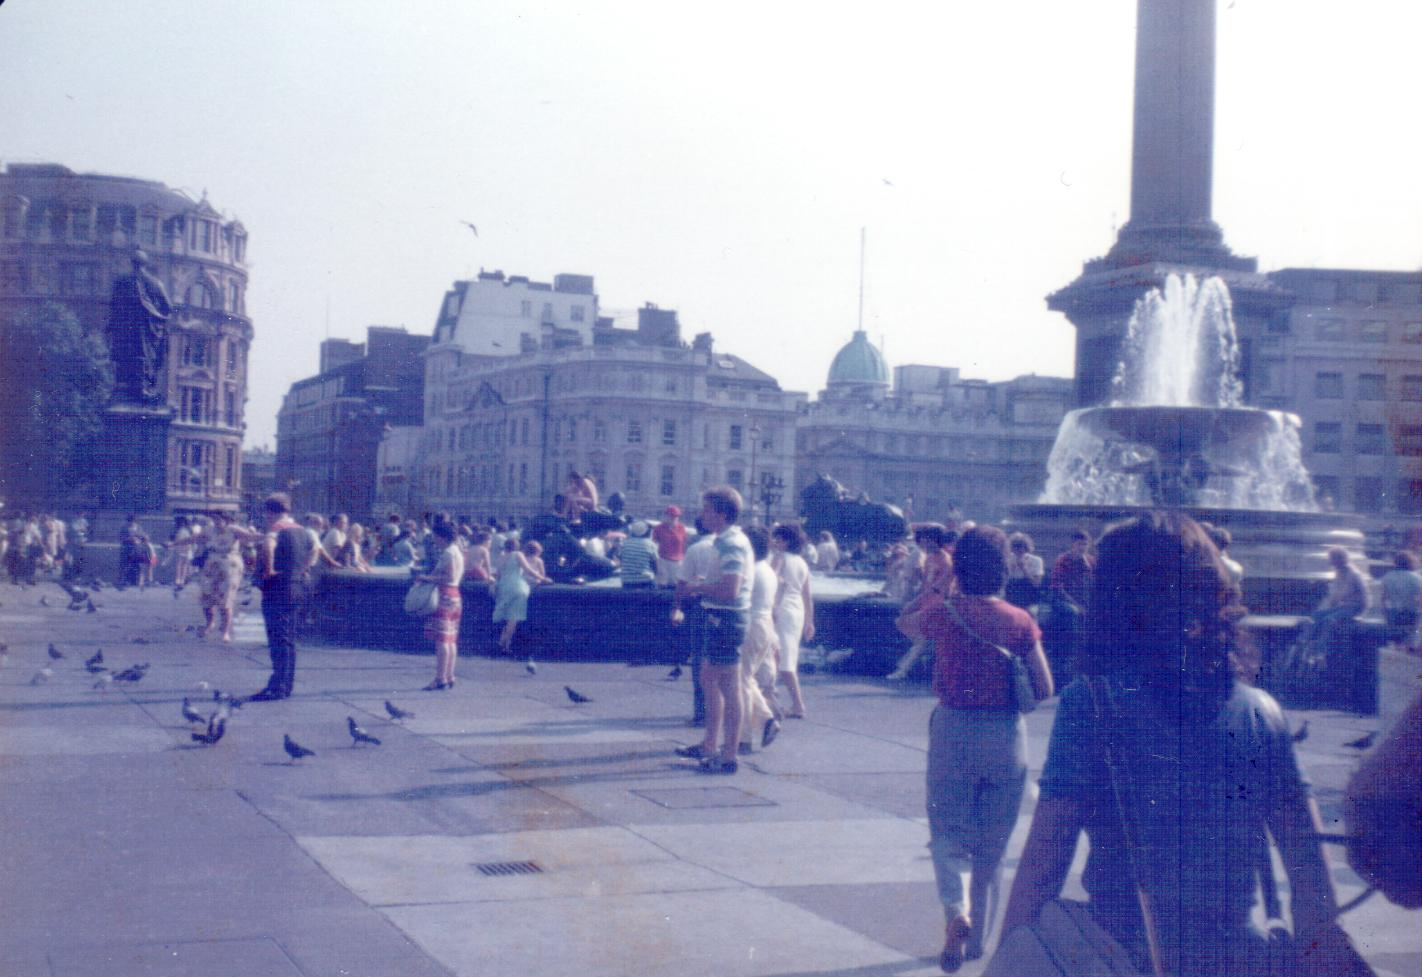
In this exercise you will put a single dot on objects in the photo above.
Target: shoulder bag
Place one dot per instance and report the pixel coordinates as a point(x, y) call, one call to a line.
point(422, 599)
point(1019, 680)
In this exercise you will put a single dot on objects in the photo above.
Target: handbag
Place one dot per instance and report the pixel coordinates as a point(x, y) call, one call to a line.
point(1065, 941)
point(421, 599)
point(1019, 680)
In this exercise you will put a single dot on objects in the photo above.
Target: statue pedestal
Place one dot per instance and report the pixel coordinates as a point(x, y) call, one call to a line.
point(133, 459)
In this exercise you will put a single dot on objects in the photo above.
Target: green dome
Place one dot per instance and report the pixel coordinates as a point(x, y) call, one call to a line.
point(859, 362)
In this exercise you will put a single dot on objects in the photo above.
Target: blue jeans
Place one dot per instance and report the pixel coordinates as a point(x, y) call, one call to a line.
point(977, 770)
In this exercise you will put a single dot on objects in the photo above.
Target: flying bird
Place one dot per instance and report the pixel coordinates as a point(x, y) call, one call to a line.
point(359, 735)
point(674, 674)
point(471, 227)
point(294, 749)
point(55, 654)
point(42, 676)
point(1362, 742)
point(574, 695)
point(216, 726)
point(396, 712)
point(191, 714)
point(1302, 734)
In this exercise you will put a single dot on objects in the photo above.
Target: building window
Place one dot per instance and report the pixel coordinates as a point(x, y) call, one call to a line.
point(1372, 386)
point(12, 217)
point(202, 236)
point(230, 466)
point(192, 469)
point(194, 405)
point(577, 313)
point(633, 482)
point(81, 224)
point(668, 486)
point(1412, 332)
point(525, 308)
point(1330, 329)
point(1373, 332)
point(734, 478)
point(196, 351)
point(599, 430)
point(199, 296)
point(1328, 386)
point(14, 276)
point(668, 433)
point(229, 408)
point(598, 469)
point(523, 430)
point(1371, 439)
point(572, 430)
point(1409, 496)
point(547, 312)
point(735, 437)
point(1327, 437)
point(1412, 387)
point(634, 432)
point(1326, 488)
point(1368, 494)
point(523, 478)
point(234, 298)
point(1409, 440)
point(148, 229)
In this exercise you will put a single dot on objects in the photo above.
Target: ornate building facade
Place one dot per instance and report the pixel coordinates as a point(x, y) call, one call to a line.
point(65, 237)
point(931, 441)
point(639, 410)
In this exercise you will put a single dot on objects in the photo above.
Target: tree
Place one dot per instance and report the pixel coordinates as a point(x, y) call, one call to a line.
point(55, 380)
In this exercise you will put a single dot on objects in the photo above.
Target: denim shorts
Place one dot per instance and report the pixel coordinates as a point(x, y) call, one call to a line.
point(725, 633)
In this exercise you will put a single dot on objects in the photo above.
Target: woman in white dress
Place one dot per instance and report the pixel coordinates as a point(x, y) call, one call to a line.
point(794, 608)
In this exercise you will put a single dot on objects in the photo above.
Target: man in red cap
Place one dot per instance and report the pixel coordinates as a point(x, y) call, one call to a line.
point(670, 537)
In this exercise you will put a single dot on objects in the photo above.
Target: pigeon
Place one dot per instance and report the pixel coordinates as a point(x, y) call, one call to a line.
point(105, 680)
point(177, 591)
point(359, 735)
point(674, 674)
point(141, 640)
point(1302, 734)
point(42, 676)
point(94, 664)
point(204, 685)
point(44, 601)
point(396, 712)
point(574, 695)
point(134, 673)
point(216, 726)
point(55, 654)
point(191, 714)
point(1362, 742)
point(294, 749)
point(530, 668)
point(92, 608)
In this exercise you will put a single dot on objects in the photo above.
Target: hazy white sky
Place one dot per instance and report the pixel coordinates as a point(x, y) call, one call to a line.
point(717, 160)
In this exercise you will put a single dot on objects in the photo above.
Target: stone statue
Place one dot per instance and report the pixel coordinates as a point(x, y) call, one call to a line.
point(138, 335)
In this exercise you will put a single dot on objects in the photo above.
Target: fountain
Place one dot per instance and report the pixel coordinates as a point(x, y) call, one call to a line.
point(1176, 434)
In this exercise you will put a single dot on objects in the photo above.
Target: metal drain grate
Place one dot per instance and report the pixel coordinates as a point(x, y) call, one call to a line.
point(499, 869)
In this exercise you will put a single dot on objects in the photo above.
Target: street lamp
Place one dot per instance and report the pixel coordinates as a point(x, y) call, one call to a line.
point(751, 485)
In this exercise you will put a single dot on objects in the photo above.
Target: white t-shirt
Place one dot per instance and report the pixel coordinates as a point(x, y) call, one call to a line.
point(700, 560)
point(450, 568)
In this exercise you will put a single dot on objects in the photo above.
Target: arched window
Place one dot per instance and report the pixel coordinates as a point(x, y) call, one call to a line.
point(199, 296)
point(234, 298)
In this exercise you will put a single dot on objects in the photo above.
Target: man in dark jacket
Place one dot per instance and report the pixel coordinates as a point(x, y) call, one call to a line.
point(283, 566)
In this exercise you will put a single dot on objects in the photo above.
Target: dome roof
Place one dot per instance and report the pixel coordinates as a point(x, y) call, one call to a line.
point(859, 362)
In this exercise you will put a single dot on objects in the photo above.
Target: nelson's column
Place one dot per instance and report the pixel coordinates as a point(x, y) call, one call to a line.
point(1170, 228)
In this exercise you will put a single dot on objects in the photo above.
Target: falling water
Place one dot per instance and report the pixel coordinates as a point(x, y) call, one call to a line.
point(1181, 351)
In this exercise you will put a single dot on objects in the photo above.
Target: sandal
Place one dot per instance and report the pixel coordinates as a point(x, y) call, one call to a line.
point(716, 765)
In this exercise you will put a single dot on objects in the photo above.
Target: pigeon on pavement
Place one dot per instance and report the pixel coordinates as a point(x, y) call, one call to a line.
point(216, 726)
point(396, 712)
point(134, 673)
point(359, 735)
point(530, 667)
point(1302, 734)
point(1362, 742)
point(92, 608)
point(44, 601)
point(674, 674)
point(94, 664)
point(294, 749)
point(54, 653)
point(105, 680)
point(42, 676)
point(191, 714)
point(574, 695)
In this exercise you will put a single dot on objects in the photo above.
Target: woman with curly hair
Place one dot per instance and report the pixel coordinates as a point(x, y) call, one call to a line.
point(1203, 765)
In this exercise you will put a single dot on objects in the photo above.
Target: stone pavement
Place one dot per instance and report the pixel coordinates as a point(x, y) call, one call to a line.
point(502, 830)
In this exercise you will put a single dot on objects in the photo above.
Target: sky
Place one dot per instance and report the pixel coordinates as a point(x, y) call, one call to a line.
point(718, 160)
